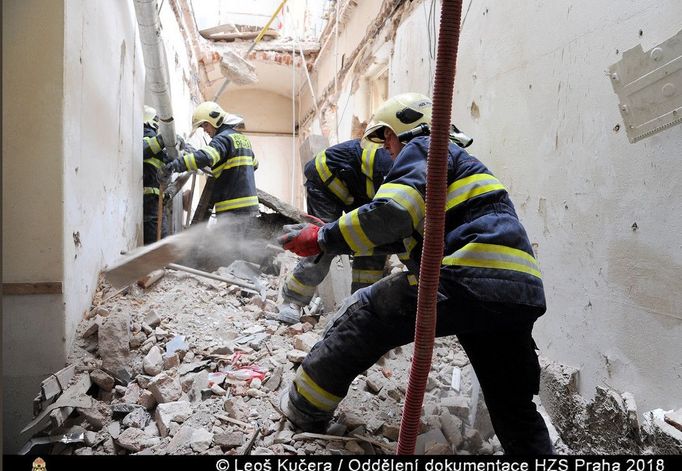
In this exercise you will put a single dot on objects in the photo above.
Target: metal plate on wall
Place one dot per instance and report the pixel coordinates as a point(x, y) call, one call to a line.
point(649, 87)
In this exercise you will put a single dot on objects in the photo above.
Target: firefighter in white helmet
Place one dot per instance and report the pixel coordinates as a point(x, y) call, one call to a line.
point(230, 157)
point(154, 158)
point(490, 291)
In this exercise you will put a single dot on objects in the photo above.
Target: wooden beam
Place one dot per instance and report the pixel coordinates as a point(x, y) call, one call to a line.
point(40, 287)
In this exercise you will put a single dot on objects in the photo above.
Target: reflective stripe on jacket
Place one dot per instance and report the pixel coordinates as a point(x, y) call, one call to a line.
point(232, 162)
point(154, 157)
point(487, 254)
point(352, 174)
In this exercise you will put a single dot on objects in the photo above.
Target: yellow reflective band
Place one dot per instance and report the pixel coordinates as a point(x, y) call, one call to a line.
point(236, 203)
point(367, 276)
point(295, 285)
point(321, 166)
point(340, 189)
point(155, 162)
point(190, 162)
point(313, 393)
point(494, 256)
point(255, 163)
point(153, 144)
point(410, 243)
point(412, 280)
point(368, 168)
point(212, 153)
point(407, 197)
point(149, 190)
point(231, 163)
point(471, 186)
point(352, 233)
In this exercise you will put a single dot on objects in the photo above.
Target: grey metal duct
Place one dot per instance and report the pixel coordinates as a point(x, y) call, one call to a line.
point(156, 67)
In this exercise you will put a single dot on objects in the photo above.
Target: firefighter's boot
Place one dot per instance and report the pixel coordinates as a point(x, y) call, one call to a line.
point(289, 313)
point(300, 413)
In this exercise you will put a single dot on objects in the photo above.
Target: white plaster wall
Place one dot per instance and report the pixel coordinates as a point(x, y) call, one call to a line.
point(543, 121)
point(268, 118)
point(32, 209)
point(103, 97)
point(262, 110)
point(182, 72)
point(531, 90)
point(278, 174)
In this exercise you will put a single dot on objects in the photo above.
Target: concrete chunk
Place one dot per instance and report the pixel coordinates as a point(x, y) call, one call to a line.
point(135, 440)
point(138, 418)
point(457, 405)
point(114, 348)
point(228, 440)
point(451, 426)
point(103, 380)
point(153, 361)
point(201, 440)
point(306, 341)
point(165, 388)
point(166, 413)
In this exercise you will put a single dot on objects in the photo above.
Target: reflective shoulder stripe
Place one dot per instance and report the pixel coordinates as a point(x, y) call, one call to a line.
point(153, 144)
point(295, 285)
point(190, 162)
point(355, 237)
point(321, 166)
point(494, 256)
point(412, 280)
point(313, 393)
point(213, 154)
point(367, 276)
point(407, 197)
point(336, 186)
point(368, 168)
point(149, 190)
point(153, 161)
point(471, 186)
point(236, 203)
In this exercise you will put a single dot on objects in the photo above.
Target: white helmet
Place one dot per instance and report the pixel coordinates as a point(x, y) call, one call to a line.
point(400, 113)
point(208, 112)
point(151, 118)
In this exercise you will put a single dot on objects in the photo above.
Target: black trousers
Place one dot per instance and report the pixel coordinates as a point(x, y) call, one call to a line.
point(149, 223)
point(497, 339)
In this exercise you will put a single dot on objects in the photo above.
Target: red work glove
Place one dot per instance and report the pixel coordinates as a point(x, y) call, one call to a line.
point(300, 239)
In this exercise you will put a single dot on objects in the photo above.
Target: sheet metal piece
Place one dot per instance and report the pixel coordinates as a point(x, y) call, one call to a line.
point(649, 87)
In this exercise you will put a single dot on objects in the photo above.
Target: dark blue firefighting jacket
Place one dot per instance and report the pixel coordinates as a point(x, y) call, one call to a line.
point(232, 162)
point(154, 158)
point(487, 254)
point(351, 173)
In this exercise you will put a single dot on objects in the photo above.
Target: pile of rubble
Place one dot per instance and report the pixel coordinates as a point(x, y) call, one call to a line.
point(194, 366)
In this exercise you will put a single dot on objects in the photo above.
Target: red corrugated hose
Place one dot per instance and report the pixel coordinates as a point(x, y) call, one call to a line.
point(432, 252)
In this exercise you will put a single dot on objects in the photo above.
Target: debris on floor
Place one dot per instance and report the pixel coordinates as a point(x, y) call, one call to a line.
point(192, 365)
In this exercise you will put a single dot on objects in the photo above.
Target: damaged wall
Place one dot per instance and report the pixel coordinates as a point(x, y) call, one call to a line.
point(545, 120)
